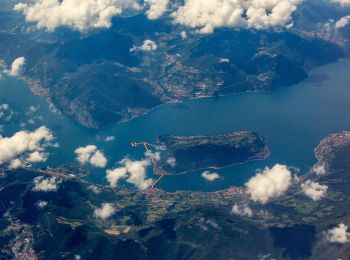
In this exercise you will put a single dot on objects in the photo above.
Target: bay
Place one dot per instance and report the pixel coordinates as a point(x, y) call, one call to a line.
point(292, 119)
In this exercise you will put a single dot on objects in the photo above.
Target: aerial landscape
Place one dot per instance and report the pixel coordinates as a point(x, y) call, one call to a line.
point(175, 129)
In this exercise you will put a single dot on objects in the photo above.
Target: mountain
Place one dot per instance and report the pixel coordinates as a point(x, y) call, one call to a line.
point(94, 78)
point(61, 221)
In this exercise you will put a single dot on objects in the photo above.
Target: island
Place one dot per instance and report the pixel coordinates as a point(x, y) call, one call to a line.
point(155, 224)
point(189, 153)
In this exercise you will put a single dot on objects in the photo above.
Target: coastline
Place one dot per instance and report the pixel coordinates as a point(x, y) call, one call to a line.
point(267, 154)
point(40, 91)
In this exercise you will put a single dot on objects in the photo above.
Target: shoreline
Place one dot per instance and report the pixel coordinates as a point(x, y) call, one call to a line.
point(42, 92)
point(266, 155)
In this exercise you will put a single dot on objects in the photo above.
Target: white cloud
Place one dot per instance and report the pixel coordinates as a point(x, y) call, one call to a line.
point(24, 147)
point(270, 183)
point(338, 234)
point(90, 154)
point(98, 159)
point(156, 8)
point(242, 210)
point(314, 190)
point(319, 169)
point(110, 138)
point(77, 14)
point(115, 175)
point(134, 172)
point(206, 15)
point(6, 113)
point(155, 155)
point(210, 176)
point(4, 107)
point(206, 224)
point(49, 184)
point(105, 211)
point(84, 153)
point(16, 67)
point(36, 157)
point(147, 45)
point(94, 189)
point(342, 22)
point(16, 163)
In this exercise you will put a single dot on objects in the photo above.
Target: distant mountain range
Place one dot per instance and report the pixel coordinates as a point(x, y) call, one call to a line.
point(95, 78)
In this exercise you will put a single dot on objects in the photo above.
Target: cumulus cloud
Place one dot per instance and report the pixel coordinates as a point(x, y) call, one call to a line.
point(338, 234)
point(206, 15)
point(242, 210)
point(45, 185)
point(156, 8)
point(314, 190)
point(16, 163)
point(105, 211)
point(210, 176)
point(133, 172)
point(270, 183)
point(342, 22)
point(36, 157)
point(98, 159)
point(77, 14)
point(319, 169)
point(24, 147)
point(147, 45)
point(90, 154)
point(16, 67)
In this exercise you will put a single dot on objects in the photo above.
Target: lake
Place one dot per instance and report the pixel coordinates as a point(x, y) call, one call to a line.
point(293, 120)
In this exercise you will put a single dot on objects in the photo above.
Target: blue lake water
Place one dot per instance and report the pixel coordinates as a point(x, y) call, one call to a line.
point(293, 120)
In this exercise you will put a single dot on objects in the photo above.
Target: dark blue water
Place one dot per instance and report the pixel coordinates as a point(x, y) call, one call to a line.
point(293, 121)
